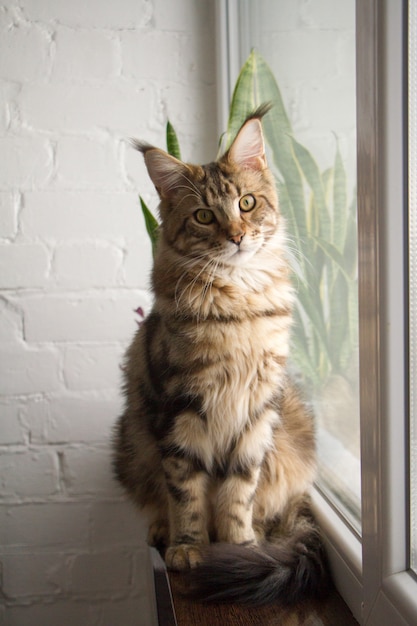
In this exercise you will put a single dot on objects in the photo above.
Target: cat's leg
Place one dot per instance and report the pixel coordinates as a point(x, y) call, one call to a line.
point(236, 495)
point(234, 511)
point(187, 499)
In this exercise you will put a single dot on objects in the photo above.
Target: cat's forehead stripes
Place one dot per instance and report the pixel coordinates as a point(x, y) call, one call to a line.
point(217, 185)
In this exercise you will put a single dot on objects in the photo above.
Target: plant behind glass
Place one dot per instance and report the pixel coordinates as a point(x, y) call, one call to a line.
point(320, 224)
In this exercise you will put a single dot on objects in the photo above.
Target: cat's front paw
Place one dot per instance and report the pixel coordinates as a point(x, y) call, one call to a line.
point(183, 557)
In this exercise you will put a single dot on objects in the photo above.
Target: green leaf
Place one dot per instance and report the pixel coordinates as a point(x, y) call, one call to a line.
point(243, 99)
point(339, 201)
point(173, 146)
point(338, 320)
point(152, 226)
point(312, 174)
point(333, 255)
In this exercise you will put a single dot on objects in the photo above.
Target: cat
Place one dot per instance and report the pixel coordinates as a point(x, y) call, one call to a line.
point(215, 442)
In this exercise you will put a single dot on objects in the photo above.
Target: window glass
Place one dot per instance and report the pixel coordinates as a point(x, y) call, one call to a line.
point(310, 48)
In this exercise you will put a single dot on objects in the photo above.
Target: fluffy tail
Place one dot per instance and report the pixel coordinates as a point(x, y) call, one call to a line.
point(287, 572)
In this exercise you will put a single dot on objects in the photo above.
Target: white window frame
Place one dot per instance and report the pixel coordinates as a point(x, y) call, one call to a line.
point(372, 573)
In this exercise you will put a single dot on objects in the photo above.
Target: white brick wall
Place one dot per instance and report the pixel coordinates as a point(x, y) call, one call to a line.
point(77, 79)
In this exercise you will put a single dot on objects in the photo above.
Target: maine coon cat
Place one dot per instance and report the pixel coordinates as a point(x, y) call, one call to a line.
point(215, 443)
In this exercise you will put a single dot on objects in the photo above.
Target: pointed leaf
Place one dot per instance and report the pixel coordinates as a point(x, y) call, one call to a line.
point(312, 174)
point(152, 226)
point(339, 201)
point(243, 99)
point(173, 146)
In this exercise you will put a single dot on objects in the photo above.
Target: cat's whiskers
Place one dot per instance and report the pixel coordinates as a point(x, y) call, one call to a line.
point(197, 300)
point(189, 287)
point(191, 187)
point(208, 287)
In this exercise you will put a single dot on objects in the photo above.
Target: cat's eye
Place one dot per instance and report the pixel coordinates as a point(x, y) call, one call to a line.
point(204, 216)
point(247, 203)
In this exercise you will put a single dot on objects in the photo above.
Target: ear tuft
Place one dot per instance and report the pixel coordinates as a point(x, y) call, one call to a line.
point(248, 148)
point(166, 172)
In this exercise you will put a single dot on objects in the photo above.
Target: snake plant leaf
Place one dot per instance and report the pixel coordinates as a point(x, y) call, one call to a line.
point(173, 146)
point(340, 205)
point(338, 326)
point(312, 306)
point(243, 99)
point(312, 174)
point(151, 223)
point(301, 355)
point(334, 255)
point(287, 209)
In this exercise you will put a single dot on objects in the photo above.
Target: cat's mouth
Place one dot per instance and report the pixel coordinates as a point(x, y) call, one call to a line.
point(240, 255)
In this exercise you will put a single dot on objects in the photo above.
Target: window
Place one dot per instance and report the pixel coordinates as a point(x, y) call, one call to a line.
point(367, 501)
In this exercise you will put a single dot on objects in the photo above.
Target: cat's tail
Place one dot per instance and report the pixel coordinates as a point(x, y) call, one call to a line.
point(287, 572)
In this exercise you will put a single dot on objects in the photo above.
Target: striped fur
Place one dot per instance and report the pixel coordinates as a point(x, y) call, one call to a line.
point(215, 444)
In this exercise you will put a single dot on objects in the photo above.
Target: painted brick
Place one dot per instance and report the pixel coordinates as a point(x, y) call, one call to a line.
point(11, 431)
point(180, 16)
point(23, 265)
point(27, 162)
point(108, 317)
point(75, 419)
point(8, 94)
point(87, 470)
point(23, 52)
point(100, 572)
point(93, 367)
point(32, 574)
point(62, 107)
point(10, 324)
point(46, 526)
point(137, 264)
point(29, 474)
point(142, 59)
point(25, 371)
point(61, 611)
point(85, 163)
point(8, 216)
point(95, 13)
point(192, 108)
point(86, 265)
point(67, 215)
point(84, 55)
point(117, 524)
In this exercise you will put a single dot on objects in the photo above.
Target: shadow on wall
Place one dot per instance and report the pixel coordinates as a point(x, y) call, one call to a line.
point(78, 559)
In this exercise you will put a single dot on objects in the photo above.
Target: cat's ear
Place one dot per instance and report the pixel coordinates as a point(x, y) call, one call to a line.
point(248, 148)
point(166, 172)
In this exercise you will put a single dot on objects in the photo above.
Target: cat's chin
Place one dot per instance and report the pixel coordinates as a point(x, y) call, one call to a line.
point(240, 258)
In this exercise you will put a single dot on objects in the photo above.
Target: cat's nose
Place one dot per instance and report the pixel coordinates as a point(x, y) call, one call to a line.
point(237, 239)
